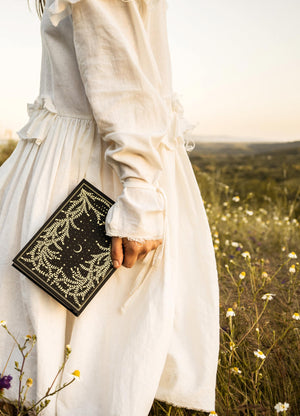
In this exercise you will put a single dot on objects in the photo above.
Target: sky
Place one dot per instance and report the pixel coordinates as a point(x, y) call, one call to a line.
point(236, 66)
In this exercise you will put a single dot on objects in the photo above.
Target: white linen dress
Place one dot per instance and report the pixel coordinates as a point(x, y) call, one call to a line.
point(106, 111)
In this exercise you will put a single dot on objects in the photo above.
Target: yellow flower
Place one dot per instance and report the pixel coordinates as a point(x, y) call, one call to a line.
point(264, 275)
point(296, 316)
point(236, 198)
point(246, 255)
point(213, 413)
point(236, 370)
point(292, 255)
point(231, 345)
point(76, 374)
point(3, 323)
point(29, 382)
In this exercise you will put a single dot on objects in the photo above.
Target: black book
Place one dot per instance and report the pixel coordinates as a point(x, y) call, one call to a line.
point(69, 256)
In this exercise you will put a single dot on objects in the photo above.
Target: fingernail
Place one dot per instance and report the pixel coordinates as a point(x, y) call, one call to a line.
point(116, 263)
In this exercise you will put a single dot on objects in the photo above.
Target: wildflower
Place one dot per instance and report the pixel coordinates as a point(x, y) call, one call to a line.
point(285, 406)
point(236, 198)
point(257, 329)
point(68, 348)
point(5, 382)
point(296, 316)
point(242, 275)
point(235, 244)
point(28, 337)
point(281, 407)
point(227, 243)
point(216, 234)
point(213, 413)
point(236, 370)
point(223, 218)
point(268, 296)
point(29, 382)
point(246, 254)
point(292, 255)
point(249, 212)
point(292, 269)
point(3, 323)
point(259, 354)
point(283, 248)
point(76, 374)
point(231, 345)
point(217, 241)
point(264, 275)
point(230, 312)
point(225, 204)
point(216, 247)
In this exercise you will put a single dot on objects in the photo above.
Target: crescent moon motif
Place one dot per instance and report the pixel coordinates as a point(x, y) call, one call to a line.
point(80, 249)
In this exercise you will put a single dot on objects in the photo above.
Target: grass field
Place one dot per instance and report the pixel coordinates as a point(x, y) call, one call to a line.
point(252, 199)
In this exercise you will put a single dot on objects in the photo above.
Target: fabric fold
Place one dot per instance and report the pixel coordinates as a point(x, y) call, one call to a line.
point(60, 9)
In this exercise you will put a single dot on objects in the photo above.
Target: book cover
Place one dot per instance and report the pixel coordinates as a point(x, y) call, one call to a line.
point(69, 256)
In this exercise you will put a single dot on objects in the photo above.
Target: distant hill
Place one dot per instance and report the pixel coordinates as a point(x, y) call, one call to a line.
point(245, 148)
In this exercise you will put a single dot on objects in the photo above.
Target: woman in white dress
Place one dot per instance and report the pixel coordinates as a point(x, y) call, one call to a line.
point(106, 111)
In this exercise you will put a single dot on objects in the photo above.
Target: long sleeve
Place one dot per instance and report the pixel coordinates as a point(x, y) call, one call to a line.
point(124, 87)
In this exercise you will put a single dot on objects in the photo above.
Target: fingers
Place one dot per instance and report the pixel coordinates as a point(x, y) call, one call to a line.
point(134, 250)
point(131, 252)
point(117, 252)
point(126, 252)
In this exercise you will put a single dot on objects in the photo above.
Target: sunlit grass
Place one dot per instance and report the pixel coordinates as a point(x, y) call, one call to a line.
point(257, 248)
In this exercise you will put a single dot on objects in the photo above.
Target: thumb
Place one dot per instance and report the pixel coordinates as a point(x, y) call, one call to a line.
point(117, 252)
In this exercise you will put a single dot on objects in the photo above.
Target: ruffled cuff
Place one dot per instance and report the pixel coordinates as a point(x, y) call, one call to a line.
point(138, 213)
point(60, 9)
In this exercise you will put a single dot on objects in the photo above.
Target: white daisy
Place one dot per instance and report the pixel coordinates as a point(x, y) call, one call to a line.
point(292, 269)
point(230, 312)
point(259, 354)
point(268, 296)
point(242, 275)
point(296, 316)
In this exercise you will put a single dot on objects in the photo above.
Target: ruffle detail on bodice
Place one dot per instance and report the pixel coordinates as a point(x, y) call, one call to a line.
point(43, 116)
point(60, 9)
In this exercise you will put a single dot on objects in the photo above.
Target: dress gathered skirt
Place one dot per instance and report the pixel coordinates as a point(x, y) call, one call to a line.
point(152, 330)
